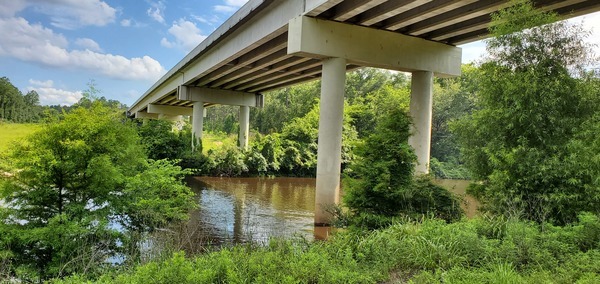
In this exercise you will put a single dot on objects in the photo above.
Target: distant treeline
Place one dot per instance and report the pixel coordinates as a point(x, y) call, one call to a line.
point(25, 108)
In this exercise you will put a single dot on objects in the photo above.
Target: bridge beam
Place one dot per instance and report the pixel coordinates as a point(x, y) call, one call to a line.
point(169, 110)
point(218, 96)
point(316, 38)
point(145, 115)
point(200, 96)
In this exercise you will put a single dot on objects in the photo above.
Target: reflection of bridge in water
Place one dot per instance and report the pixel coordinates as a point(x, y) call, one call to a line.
point(270, 44)
point(238, 210)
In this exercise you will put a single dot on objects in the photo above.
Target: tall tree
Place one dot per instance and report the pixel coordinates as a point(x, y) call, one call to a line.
point(81, 186)
point(11, 101)
point(533, 98)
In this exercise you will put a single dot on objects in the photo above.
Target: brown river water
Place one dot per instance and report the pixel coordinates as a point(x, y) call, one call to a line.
point(241, 210)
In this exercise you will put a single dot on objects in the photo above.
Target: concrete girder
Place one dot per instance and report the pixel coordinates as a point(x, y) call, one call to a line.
point(310, 37)
point(169, 110)
point(141, 115)
point(218, 96)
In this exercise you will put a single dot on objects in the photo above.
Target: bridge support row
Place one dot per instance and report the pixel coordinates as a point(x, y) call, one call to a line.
point(339, 44)
point(201, 96)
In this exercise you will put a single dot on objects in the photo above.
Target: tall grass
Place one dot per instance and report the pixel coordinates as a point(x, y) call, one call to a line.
point(481, 250)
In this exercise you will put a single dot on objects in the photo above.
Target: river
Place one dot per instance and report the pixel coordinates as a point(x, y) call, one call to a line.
point(241, 210)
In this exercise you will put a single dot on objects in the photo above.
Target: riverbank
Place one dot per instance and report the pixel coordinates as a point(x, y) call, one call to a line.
point(480, 250)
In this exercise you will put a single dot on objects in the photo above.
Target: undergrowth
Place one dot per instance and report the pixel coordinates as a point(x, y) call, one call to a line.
point(480, 250)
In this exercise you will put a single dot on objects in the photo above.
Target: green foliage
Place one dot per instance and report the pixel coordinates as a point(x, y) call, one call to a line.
point(526, 140)
point(161, 141)
point(72, 183)
point(379, 185)
point(429, 251)
point(382, 173)
point(16, 107)
point(453, 98)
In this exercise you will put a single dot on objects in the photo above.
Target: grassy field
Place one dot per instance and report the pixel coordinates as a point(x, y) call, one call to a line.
point(214, 141)
point(12, 132)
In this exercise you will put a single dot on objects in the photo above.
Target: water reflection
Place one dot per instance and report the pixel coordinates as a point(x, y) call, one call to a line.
point(238, 210)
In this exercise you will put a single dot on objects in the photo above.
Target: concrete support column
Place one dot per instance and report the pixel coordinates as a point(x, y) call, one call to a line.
point(244, 126)
point(420, 111)
point(197, 123)
point(329, 153)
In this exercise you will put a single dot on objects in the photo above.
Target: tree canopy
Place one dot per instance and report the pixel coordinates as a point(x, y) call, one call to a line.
point(534, 101)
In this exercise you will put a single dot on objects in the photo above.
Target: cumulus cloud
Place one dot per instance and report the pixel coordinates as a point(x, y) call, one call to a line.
point(88, 43)
point(187, 35)
point(230, 6)
point(10, 8)
point(49, 95)
point(65, 14)
point(37, 44)
point(156, 11)
point(45, 84)
point(126, 23)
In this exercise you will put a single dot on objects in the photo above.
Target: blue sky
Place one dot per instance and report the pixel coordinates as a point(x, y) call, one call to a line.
point(56, 47)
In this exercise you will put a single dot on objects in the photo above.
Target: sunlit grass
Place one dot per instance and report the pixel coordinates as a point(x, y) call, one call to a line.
point(10, 133)
point(217, 140)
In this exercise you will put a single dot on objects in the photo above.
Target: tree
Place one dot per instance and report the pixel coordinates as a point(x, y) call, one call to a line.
point(533, 101)
point(81, 188)
point(379, 183)
point(11, 101)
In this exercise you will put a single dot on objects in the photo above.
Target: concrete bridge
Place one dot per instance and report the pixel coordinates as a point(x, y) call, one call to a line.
point(270, 44)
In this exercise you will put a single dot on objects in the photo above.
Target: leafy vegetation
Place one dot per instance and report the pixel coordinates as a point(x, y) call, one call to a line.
point(481, 250)
point(81, 191)
point(529, 141)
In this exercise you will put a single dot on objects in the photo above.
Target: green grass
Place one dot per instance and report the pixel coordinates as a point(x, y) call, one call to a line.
point(13, 132)
point(218, 140)
point(480, 250)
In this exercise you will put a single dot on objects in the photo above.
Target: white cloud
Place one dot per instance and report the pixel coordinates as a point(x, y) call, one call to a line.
point(230, 6)
point(225, 9)
point(88, 43)
point(71, 14)
point(37, 44)
point(126, 23)
point(235, 3)
point(46, 84)
point(187, 35)
point(156, 11)
point(213, 20)
point(49, 95)
point(10, 8)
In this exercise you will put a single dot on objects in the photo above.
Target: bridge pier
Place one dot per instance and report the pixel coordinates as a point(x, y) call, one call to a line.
point(197, 123)
point(420, 111)
point(329, 151)
point(244, 119)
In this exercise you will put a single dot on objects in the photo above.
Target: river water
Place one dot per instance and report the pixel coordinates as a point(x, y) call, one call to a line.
point(239, 210)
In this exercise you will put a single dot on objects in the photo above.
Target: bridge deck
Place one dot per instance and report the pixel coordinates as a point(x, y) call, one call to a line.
point(249, 51)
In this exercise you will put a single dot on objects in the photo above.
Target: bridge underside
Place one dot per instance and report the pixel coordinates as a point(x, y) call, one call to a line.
point(270, 44)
